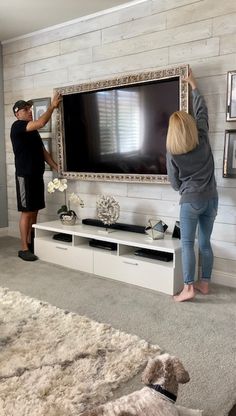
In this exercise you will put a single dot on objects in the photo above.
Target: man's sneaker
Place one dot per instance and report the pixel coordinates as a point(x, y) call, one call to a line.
point(27, 255)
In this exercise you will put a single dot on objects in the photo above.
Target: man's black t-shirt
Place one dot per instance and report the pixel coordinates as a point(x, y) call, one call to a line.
point(28, 150)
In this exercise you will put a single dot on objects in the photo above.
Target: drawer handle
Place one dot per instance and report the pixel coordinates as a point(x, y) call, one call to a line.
point(130, 262)
point(62, 248)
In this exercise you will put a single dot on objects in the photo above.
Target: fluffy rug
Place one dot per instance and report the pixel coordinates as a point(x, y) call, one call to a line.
point(56, 363)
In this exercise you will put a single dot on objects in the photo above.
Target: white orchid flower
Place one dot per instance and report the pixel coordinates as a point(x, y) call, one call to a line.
point(62, 187)
point(56, 183)
point(74, 198)
point(51, 188)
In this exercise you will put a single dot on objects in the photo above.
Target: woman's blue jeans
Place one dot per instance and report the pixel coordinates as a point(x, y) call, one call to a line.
point(192, 214)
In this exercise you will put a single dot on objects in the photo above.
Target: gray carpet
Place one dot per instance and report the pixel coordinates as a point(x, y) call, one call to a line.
point(202, 333)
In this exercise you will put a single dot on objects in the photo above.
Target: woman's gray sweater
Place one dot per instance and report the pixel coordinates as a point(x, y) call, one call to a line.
point(192, 173)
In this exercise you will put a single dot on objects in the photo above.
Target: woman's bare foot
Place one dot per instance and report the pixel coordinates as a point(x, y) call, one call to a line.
point(202, 287)
point(186, 294)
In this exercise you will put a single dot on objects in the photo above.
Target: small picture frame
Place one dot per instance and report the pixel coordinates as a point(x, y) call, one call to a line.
point(229, 161)
point(40, 105)
point(48, 146)
point(231, 96)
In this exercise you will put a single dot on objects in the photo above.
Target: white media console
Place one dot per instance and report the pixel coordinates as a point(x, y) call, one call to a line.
point(120, 264)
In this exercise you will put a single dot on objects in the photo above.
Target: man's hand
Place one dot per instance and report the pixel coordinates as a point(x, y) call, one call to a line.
point(56, 100)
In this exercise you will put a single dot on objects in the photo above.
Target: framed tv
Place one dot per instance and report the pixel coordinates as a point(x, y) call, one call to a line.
point(115, 129)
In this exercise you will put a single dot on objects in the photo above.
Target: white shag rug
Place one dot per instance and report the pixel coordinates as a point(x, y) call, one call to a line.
point(57, 363)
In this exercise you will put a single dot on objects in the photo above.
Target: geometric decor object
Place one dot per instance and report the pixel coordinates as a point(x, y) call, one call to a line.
point(156, 228)
point(176, 231)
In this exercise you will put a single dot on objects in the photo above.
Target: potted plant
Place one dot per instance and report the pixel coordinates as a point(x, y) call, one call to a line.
point(66, 214)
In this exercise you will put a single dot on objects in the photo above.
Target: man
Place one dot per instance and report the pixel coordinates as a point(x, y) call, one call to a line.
point(30, 156)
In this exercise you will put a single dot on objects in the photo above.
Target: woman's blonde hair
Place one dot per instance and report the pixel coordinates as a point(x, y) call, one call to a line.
point(182, 135)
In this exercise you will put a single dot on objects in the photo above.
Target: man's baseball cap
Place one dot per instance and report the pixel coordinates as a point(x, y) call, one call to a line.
point(19, 105)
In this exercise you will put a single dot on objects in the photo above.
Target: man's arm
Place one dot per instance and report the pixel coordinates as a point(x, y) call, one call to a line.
point(45, 117)
point(48, 158)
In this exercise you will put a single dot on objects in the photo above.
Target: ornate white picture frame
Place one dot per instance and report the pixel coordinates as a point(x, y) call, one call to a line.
point(231, 96)
point(40, 105)
point(229, 161)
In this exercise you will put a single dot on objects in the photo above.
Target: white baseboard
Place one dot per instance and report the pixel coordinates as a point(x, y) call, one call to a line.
point(3, 231)
point(13, 232)
point(223, 278)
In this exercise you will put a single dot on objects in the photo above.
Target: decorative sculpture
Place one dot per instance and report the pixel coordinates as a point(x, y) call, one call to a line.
point(108, 209)
point(156, 228)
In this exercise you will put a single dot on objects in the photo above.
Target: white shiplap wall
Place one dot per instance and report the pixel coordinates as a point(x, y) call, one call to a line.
point(153, 34)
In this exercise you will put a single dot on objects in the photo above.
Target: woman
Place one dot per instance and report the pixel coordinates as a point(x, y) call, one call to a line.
point(190, 169)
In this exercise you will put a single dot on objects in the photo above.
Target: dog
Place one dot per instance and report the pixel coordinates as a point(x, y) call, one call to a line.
point(161, 377)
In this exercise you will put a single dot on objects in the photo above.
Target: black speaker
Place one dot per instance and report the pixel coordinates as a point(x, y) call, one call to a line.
point(117, 226)
point(176, 231)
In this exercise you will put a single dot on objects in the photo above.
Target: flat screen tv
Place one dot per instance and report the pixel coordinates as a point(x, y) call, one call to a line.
point(115, 130)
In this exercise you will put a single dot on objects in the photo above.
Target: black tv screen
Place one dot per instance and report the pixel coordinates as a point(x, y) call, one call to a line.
point(119, 130)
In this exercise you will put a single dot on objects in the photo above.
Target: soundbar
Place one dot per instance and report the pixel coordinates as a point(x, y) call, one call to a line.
point(117, 226)
point(154, 254)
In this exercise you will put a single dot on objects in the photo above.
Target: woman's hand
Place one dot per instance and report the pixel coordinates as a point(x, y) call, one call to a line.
point(191, 80)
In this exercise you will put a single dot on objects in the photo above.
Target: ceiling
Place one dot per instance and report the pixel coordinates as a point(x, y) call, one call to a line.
point(20, 17)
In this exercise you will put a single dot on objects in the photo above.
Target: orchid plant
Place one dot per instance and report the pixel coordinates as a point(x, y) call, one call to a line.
point(61, 186)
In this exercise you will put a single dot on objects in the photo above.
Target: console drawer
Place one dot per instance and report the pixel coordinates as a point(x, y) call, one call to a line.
point(145, 274)
point(65, 255)
point(135, 271)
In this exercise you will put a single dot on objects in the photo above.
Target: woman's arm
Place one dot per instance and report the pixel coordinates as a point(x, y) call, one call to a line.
point(200, 111)
point(191, 80)
point(199, 106)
